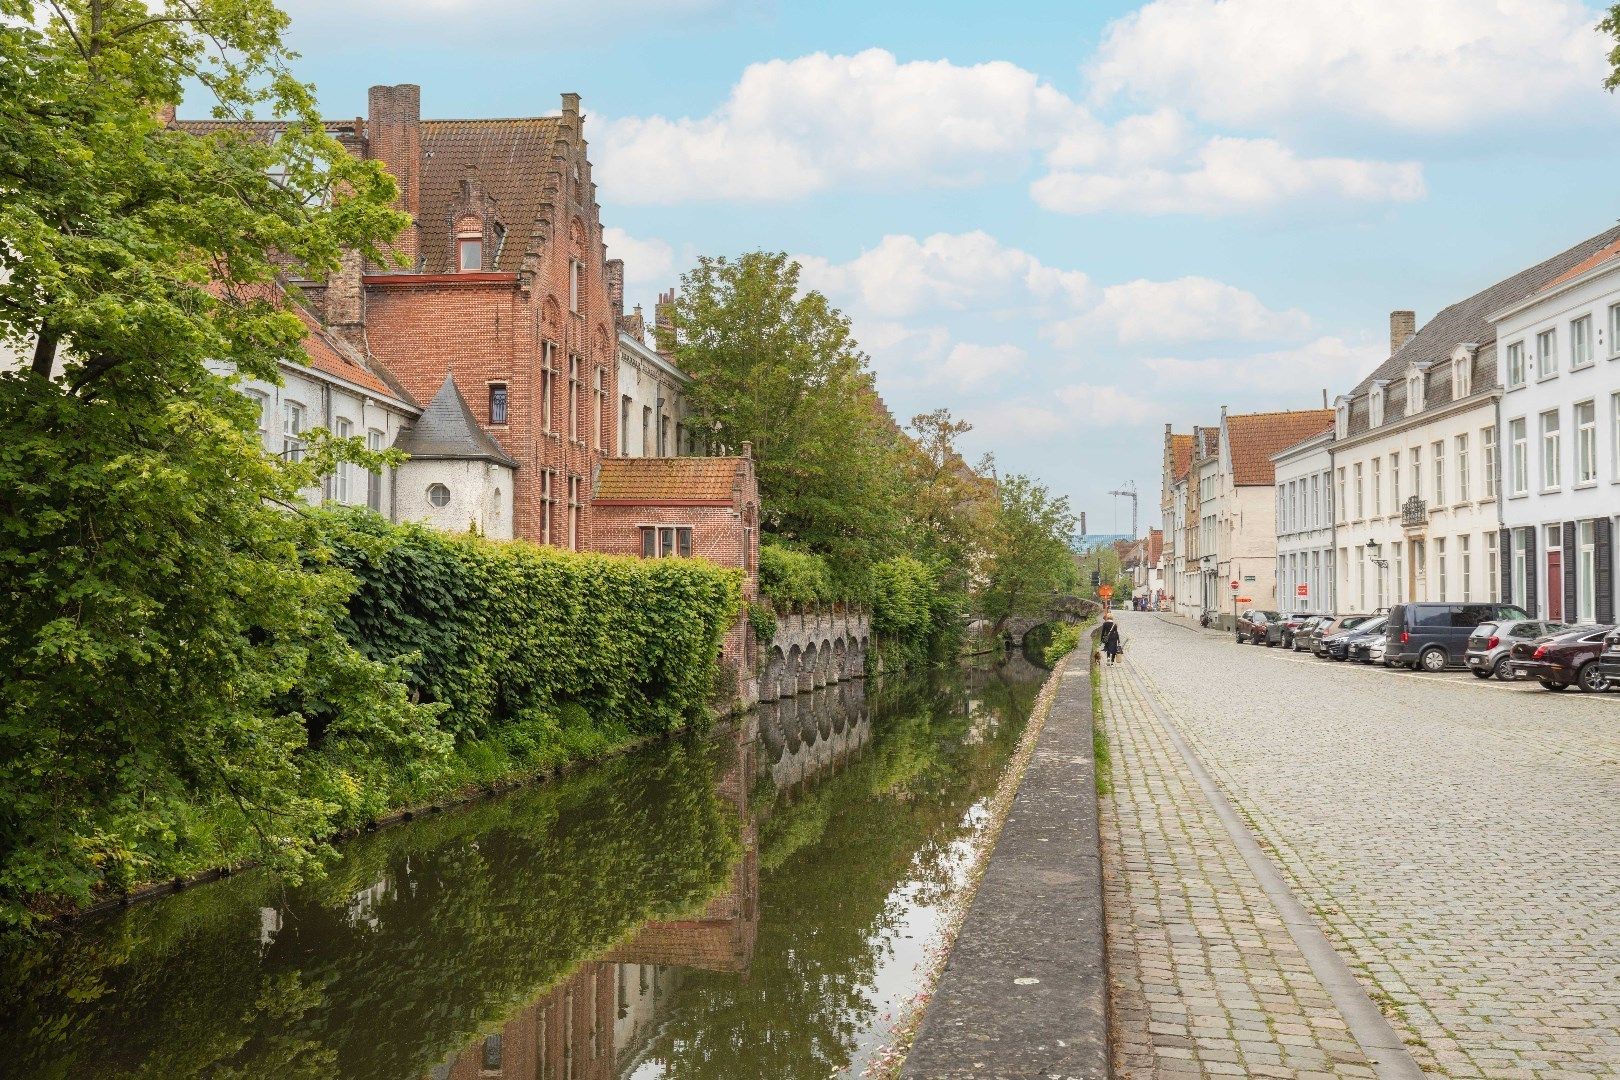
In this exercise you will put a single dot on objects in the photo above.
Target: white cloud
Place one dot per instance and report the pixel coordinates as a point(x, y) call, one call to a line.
point(1294, 377)
point(793, 127)
point(1226, 175)
point(1185, 309)
point(903, 275)
point(1431, 65)
point(648, 264)
point(968, 365)
point(1077, 409)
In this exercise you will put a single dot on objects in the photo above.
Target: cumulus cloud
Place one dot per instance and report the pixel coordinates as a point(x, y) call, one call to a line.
point(1073, 409)
point(968, 365)
point(793, 127)
point(1284, 376)
point(1437, 65)
point(1225, 175)
point(1184, 309)
point(903, 275)
point(648, 264)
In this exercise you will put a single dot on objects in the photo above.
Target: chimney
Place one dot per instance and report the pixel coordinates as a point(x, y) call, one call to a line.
point(394, 136)
point(664, 325)
point(747, 449)
point(1402, 328)
point(615, 289)
point(346, 300)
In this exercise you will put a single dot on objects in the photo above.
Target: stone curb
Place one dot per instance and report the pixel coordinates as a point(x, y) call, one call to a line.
point(1025, 992)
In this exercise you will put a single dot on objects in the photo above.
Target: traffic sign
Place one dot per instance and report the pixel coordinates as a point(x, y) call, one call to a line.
point(1302, 590)
point(1234, 585)
point(1106, 592)
point(1245, 600)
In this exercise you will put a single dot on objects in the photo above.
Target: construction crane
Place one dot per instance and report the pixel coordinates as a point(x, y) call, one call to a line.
point(1129, 491)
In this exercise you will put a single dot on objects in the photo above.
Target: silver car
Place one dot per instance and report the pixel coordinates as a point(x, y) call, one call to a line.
point(1491, 642)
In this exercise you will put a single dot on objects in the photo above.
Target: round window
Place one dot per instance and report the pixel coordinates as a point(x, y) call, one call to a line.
point(438, 495)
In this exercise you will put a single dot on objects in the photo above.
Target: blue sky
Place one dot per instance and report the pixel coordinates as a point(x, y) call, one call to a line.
point(1068, 223)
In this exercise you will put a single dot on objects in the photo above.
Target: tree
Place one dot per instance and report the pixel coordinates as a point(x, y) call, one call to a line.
point(173, 667)
point(948, 505)
point(1029, 557)
point(1610, 25)
point(781, 370)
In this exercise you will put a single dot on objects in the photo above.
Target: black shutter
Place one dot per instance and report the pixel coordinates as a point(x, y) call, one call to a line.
point(1603, 562)
point(1504, 564)
point(1571, 615)
point(1530, 572)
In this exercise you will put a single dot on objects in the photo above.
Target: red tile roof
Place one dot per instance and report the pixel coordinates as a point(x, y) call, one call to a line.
point(1181, 455)
point(329, 355)
point(678, 481)
point(1254, 437)
point(1598, 258)
point(511, 161)
point(1155, 548)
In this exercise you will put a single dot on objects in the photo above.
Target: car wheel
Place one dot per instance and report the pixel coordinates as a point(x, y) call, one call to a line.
point(1546, 685)
point(1499, 670)
point(1240, 639)
point(1478, 674)
point(1591, 678)
point(1433, 659)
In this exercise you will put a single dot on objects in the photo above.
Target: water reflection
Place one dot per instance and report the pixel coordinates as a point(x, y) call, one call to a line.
point(747, 904)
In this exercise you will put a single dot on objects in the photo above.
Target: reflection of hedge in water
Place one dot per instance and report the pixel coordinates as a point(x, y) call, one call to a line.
point(479, 912)
point(830, 860)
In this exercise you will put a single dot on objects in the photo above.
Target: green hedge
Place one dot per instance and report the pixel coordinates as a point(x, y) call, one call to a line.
point(507, 632)
point(790, 576)
point(1065, 639)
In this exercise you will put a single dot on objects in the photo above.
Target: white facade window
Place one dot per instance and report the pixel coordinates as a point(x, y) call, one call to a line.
point(292, 431)
point(1614, 330)
point(1377, 486)
point(1520, 563)
point(374, 443)
point(1395, 481)
point(1552, 464)
point(469, 253)
point(438, 495)
point(1462, 468)
point(1439, 449)
point(1515, 364)
point(1316, 501)
point(1519, 460)
point(261, 405)
point(1440, 567)
point(1462, 377)
point(1375, 406)
point(1491, 576)
point(1580, 342)
point(1397, 563)
point(1342, 503)
point(1586, 442)
point(1487, 442)
point(1546, 354)
point(1415, 455)
point(1360, 507)
point(1586, 572)
point(1465, 564)
point(343, 480)
point(1414, 393)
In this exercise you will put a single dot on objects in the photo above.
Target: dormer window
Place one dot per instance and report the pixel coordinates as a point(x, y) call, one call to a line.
point(1375, 405)
point(1414, 392)
point(469, 253)
point(1462, 377)
point(1341, 421)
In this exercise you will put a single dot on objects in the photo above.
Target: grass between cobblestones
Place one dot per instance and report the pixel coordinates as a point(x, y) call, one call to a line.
point(887, 1061)
point(1103, 773)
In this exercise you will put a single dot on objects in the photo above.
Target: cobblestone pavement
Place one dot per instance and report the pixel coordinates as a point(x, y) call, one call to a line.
point(1458, 840)
point(1206, 980)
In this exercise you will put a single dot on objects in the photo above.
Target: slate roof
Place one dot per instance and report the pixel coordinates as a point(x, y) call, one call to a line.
point(1180, 456)
point(448, 431)
point(508, 160)
point(1467, 322)
point(1254, 437)
point(679, 480)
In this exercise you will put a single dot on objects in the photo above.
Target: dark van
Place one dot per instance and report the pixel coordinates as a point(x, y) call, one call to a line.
point(1434, 637)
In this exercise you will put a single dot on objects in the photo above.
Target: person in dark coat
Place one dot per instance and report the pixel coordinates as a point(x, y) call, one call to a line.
point(1111, 643)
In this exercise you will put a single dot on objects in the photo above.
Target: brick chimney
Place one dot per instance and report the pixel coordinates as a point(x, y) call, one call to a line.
point(1402, 328)
point(346, 301)
point(614, 273)
point(664, 325)
point(394, 134)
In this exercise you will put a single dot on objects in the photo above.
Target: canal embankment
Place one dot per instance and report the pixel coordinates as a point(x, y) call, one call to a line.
point(1024, 991)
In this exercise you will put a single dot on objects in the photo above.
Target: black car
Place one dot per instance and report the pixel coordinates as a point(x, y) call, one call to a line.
point(1339, 645)
point(1434, 637)
point(1331, 626)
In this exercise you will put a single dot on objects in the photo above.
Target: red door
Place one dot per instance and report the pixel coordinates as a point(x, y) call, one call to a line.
point(1555, 585)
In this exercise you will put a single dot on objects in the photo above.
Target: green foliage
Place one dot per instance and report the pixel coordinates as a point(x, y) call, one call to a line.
point(762, 618)
point(510, 633)
point(790, 576)
point(1610, 25)
point(1065, 639)
point(1029, 557)
point(177, 688)
point(914, 619)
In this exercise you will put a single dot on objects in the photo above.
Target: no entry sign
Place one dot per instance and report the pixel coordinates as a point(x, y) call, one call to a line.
point(1234, 586)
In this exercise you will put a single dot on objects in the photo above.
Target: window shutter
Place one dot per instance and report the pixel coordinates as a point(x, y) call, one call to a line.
point(1504, 563)
point(1603, 561)
point(1530, 572)
point(1571, 613)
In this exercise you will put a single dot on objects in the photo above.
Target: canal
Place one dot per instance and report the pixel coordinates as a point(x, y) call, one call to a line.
point(753, 902)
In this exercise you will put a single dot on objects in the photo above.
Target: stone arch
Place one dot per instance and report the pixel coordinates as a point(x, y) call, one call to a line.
point(841, 659)
point(792, 675)
point(807, 669)
point(551, 313)
point(576, 235)
point(824, 670)
point(771, 686)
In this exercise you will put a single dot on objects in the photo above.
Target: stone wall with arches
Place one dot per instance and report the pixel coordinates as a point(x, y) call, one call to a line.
point(815, 647)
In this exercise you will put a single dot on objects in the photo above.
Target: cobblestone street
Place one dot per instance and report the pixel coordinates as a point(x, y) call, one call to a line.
point(1457, 841)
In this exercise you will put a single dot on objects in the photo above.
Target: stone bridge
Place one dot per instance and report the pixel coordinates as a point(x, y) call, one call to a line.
point(815, 647)
point(1068, 609)
point(810, 734)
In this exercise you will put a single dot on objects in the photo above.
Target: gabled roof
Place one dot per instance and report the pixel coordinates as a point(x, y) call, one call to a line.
point(510, 161)
point(1255, 437)
point(1611, 251)
point(1181, 447)
point(447, 431)
point(677, 481)
point(332, 356)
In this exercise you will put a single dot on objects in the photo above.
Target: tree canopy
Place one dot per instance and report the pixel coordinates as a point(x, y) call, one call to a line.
point(1610, 25)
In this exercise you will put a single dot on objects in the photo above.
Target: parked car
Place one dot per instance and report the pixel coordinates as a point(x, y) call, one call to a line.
point(1292, 622)
point(1609, 659)
point(1435, 636)
point(1491, 643)
point(1259, 628)
point(1568, 658)
point(1339, 645)
point(1375, 651)
point(1333, 632)
point(1305, 637)
point(1359, 646)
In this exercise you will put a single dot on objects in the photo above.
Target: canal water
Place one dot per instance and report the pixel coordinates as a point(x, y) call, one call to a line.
point(754, 903)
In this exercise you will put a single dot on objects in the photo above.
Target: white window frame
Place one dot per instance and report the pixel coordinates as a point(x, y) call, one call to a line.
point(1440, 567)
point(465, 243)
point(1487, 445)
point(1462, 467)
point(1395, 482)
point(343, 479)
point(1586, 572)
point(1465, 560)
point(1550, 424)
point(1515, 364)
point(374, 443)
point(1378, 486)
point(1580, 343)
point(1614, 331)
point(1439, 451)
point(1361, 506)
point(1492, 575)
point(1586, 467)
point(1519, 456)
point(1547, 354)
point(293, 415)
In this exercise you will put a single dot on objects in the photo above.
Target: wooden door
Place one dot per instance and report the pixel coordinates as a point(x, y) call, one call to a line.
point(1555, 585)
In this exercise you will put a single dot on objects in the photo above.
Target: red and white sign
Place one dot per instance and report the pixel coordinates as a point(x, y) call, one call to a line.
point(1245, 600)
point(1234, 586)
point(1302, 590)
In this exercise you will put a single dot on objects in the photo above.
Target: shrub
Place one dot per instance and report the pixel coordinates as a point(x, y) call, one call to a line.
point(1065, 639)
point(789, 576)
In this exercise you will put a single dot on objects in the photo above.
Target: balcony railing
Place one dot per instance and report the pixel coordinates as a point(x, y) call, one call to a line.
point(1414, 513)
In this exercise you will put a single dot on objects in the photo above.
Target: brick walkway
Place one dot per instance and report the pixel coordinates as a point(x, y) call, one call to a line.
point(1206, 979)
point(1458, 841)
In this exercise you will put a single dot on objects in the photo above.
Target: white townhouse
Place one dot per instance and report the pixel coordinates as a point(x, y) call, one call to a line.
point(1560, 418)
point(1305, 546)
point(1179, 590)
point(652, 402)
point(1416, 450)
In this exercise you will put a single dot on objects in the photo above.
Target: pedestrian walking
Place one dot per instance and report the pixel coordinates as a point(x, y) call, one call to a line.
point(1111, 643)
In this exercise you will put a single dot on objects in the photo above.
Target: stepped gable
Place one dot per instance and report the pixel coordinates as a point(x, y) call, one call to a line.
point(447, 431)
point(1255, 437)
point(1181, 453)
point(509, 161)
point(670, 481)
point(1469, 322)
